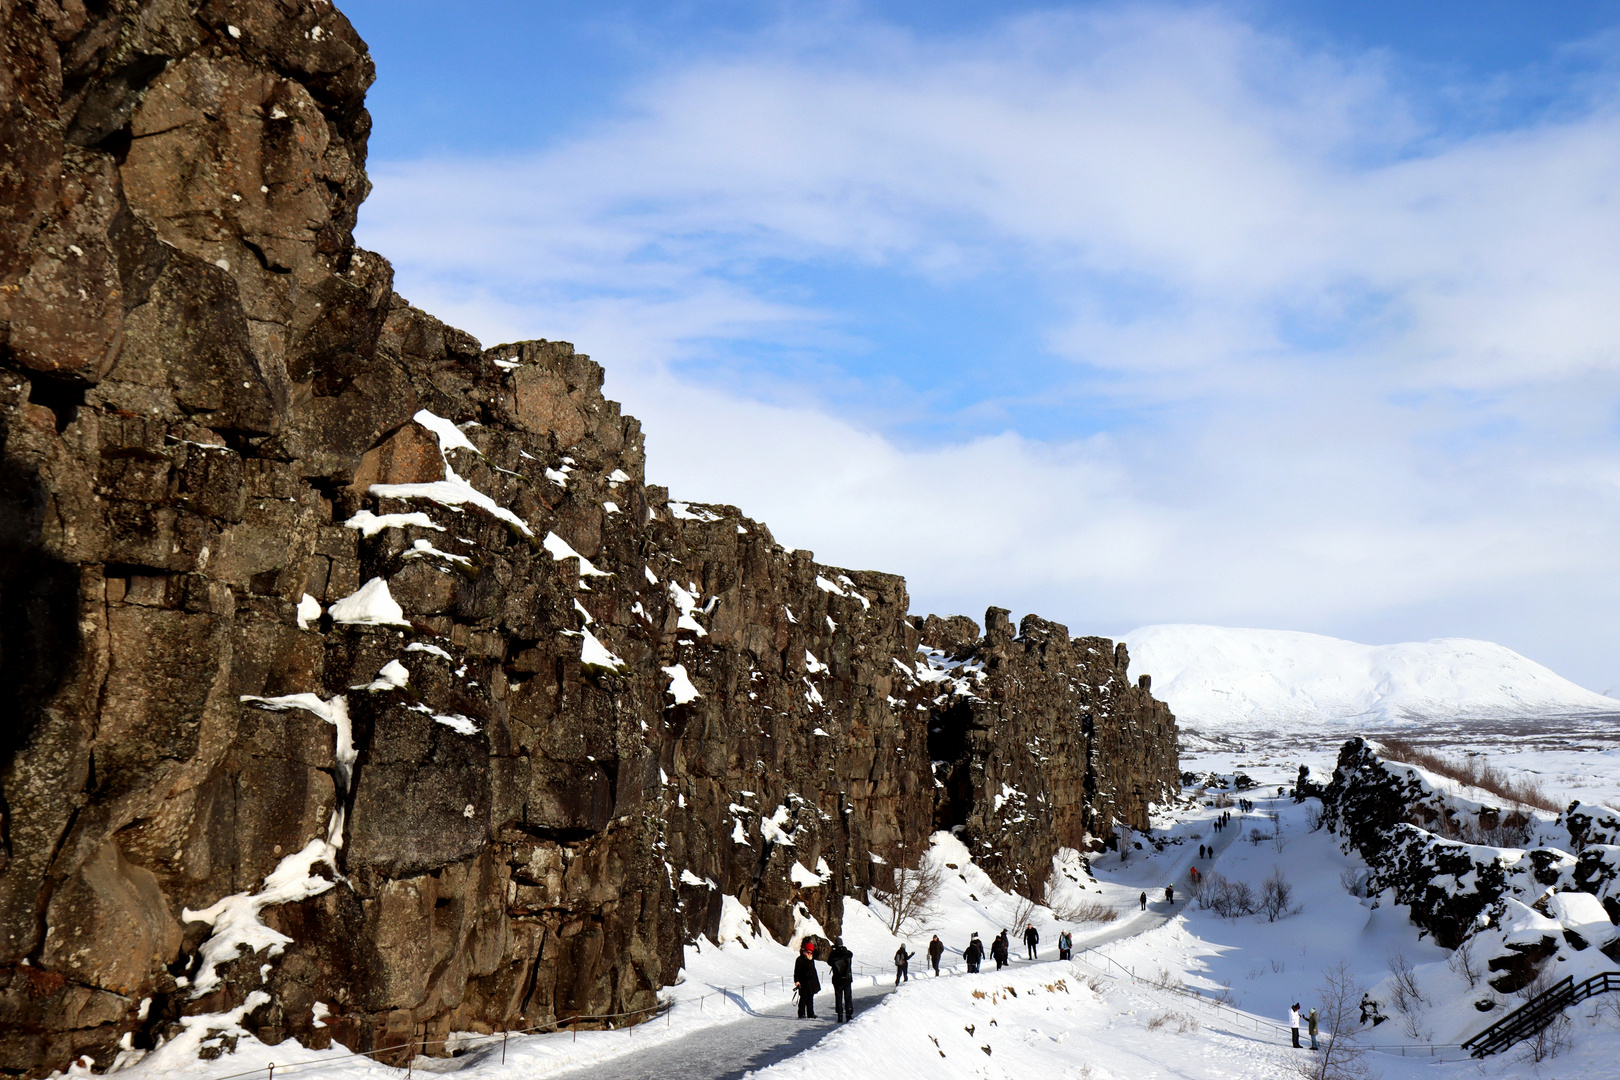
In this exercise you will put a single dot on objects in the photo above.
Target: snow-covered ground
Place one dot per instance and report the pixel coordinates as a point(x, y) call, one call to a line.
point(1219, 679)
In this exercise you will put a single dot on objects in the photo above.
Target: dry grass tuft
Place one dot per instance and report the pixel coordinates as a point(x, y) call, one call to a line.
point(1086, 911)
point(1475, 772)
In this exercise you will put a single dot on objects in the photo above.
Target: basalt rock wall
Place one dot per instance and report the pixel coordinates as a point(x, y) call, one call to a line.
point(318, 617)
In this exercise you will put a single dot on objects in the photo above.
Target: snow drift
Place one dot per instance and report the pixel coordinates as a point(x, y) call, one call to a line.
point(1215, 677)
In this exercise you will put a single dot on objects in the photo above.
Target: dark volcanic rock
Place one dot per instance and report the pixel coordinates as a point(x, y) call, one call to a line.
point(490, 792)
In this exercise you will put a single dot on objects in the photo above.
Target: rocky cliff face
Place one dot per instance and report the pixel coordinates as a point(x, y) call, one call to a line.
point(1453, 888)
point(348, 662)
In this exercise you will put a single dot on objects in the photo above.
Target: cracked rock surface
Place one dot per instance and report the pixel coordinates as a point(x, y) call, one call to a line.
point(349, 662)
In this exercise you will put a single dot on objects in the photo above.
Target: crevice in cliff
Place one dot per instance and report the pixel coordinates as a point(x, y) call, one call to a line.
point(948, 733)
point(64, 397)
point(555, 834)
point(264, 259)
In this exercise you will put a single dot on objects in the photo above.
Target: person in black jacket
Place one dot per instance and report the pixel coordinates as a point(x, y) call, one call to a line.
point(1032, 938)
point(974, 952)
point(805, 980)
point(842, 964)
point(998, 950)
point(936, 949)
point(902, 964)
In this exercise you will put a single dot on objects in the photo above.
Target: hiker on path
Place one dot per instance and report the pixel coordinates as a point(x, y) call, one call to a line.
point(1293, 1023)
point(805, 980)
point(1311, 1022)
point(1169, 894)
point(842, 963)
point(902, 964)
point(998, 950)
point(974, 952)
point(936, 949)
point(1032, 938)
point(1144, 900)
point(1065, 945)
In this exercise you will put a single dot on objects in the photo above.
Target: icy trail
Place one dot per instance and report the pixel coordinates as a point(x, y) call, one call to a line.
point(774, 1034)
point(731, 1051)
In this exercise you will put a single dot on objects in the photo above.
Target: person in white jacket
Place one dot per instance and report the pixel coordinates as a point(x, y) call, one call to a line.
point(1293, 1023)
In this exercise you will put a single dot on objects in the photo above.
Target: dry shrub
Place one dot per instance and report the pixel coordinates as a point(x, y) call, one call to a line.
point(1023, 915)
point(1085, 911)
point(1227, 898)
point(913, 898)
point(1475, 772)
point(1276, 897)
point(1465, 963)
point(1182, 1022)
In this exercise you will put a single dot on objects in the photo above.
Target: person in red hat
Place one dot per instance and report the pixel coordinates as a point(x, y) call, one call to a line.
point(805, 980)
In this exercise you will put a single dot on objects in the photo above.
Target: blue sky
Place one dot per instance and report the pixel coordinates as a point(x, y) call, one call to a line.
point(1279, 314)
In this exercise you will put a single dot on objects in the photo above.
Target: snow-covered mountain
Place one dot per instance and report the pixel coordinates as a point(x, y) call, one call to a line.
point(1216, 677)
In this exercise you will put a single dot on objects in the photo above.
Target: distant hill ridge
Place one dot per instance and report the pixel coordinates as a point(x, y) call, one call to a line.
point(1219, 677)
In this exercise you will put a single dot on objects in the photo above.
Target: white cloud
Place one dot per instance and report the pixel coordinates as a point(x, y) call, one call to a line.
point(1360, 366)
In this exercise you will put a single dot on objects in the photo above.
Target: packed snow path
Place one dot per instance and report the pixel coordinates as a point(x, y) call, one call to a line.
point(730, 1051)
point(775, 1033)
point(1159, 912)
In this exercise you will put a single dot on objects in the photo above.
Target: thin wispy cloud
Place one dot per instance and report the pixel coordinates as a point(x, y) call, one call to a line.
point(1327, 363)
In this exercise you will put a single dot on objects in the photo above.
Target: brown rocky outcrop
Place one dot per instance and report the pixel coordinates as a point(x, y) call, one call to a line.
point(498, 794)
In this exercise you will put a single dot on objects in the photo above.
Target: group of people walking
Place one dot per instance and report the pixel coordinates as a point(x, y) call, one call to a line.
point(841, 965)
point(999, 948)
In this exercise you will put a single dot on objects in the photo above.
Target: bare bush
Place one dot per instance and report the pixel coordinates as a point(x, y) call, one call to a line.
point(1405, 995)
point(1475, 772)
point(1315, 816)
point(1608, 1010)
point(1463, 962)
point(1023, 915)
point(1182, 1022)
point(1354, 881)
point(913, 899)
point(1227, 898)
point(1276, 897)
point(1404, 980)
point(1166, 981)
point(1343, 1057)
point(1085, 911)
point(1551, 1040)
